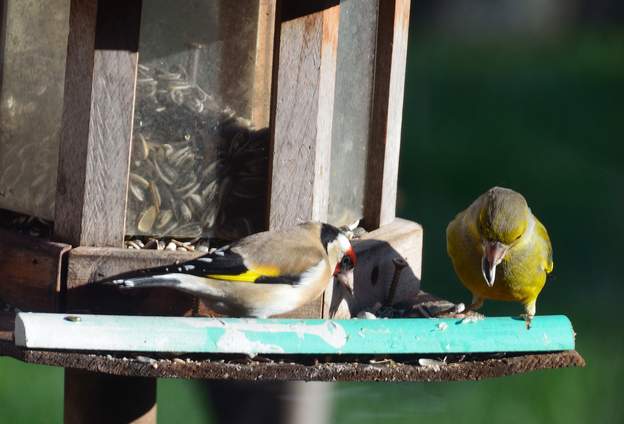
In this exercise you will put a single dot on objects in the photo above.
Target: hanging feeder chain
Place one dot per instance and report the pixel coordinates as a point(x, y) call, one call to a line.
point(399, 265)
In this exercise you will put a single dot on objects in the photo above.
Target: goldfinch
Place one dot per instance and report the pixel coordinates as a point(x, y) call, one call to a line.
point(262, 275)
point(500, 250)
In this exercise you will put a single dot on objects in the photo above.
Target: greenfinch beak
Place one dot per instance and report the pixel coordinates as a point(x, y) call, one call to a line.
point(493, 254)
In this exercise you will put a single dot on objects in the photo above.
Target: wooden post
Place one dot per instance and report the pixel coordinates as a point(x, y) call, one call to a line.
point(94, 154)
point(383, 150)
point(104, 398)
point(260, 106)
point(93, 170)
point(303, 103)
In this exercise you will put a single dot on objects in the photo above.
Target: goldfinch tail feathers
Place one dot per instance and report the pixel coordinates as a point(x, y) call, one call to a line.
point(223, 265)
point(221, 262)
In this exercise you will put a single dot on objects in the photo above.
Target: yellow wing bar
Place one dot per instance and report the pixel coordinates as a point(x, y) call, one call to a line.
point(248, 276)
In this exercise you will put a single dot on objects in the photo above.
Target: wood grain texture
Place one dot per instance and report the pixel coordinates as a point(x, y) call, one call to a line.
point(97, 122)
point(30, 271)
point(303, 105)
point(384, 146)
point(92, 181)
point(260, 105)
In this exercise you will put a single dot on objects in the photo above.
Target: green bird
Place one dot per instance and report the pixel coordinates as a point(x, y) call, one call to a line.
point(500, 250)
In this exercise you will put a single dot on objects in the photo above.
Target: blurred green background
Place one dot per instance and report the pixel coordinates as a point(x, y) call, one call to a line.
point(527, 95)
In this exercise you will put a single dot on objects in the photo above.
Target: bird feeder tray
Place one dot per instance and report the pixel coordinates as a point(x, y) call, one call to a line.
point(417, 349)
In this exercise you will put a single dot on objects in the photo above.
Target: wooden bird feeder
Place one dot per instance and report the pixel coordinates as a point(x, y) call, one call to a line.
point(129, 120)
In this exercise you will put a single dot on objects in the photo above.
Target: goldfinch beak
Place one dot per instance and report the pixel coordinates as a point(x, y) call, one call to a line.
point(493, 254)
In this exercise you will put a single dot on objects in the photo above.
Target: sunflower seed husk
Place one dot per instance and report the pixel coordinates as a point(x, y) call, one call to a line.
point(146, 219)
point(164, 218)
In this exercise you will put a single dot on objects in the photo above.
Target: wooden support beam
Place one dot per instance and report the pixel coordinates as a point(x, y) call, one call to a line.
point(260, 105)
point(96, 134)
point(104, 398)
point(303, 98)
point(30, 271)
point(384, 146)
point(92, 183)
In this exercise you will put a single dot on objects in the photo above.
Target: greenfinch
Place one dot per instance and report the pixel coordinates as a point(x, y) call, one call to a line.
point(500, 250)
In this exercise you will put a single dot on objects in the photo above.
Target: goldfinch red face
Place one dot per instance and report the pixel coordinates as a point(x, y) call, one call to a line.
point(345, 252)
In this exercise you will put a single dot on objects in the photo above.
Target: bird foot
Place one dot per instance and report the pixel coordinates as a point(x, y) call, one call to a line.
point(527, 320)
point(470, 316)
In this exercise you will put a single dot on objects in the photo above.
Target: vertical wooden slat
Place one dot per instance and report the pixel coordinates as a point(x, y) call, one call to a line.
point(383, 153)
point(263, 65)
point(93, 170)
point(303, 110)
point(97, 122)
point(3, 31)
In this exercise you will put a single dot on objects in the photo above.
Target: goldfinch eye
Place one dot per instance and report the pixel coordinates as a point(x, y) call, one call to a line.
point(346, 263)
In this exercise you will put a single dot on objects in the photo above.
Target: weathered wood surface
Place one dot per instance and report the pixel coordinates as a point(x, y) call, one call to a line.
point(306, 368)
point(384, 146)
point(303, 109)
point(94, 159)
point(122, 333)
point(30, 271)
point(97, 122)
point(263, 65)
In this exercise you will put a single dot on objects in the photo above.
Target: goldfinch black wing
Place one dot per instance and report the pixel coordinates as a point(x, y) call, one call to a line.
point(223, 264)
point(264, 258)
point(229, 265)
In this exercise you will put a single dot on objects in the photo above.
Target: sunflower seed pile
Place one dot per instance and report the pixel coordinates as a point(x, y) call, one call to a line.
point(197, 169)
point(197, 244)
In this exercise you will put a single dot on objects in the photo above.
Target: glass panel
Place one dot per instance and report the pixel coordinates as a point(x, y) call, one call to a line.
point(352, 109)
point(33, 43)
point(199, 158)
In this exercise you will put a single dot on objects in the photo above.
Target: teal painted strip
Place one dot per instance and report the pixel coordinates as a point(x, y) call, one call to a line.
point(291, 336)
